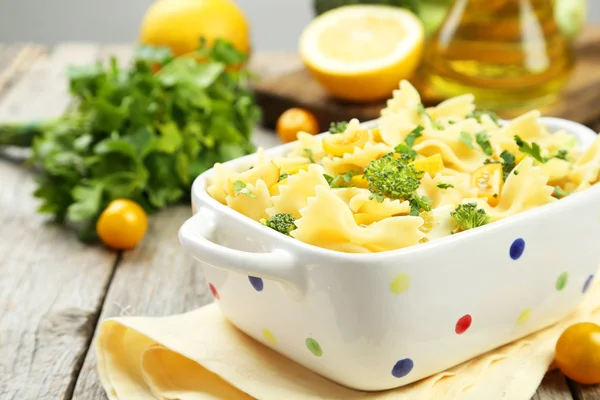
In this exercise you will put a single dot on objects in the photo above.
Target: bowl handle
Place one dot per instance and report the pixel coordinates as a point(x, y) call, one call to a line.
point(278, 265)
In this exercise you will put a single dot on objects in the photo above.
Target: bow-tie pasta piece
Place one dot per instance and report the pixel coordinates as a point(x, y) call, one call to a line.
point(294, 192)
point(454, 109)
point(445, 190)
point(348, 193)
point(251, 200)
point(406, 97)
point(267, 171)
point(557, 171)
point(457, 145)
point(327, 222)
point(363, 204)
point(219, 182)
point(309, 147)
point(523, 191)
point(357, 160)
point(586, 169)
point(526, 126)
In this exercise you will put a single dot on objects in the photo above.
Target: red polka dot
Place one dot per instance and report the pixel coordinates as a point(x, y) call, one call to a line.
point(463, 324)
point(214, 291)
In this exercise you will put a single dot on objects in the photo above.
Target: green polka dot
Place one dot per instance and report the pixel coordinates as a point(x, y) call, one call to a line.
point(400, 284)
point(269, 337)
point(314, 347)
point(561, 282)
point(524, 317)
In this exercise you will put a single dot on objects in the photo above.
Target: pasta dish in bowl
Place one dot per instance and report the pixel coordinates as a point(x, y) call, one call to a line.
point(381, 253)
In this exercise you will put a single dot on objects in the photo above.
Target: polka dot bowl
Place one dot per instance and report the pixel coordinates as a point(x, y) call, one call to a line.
point(384, 320)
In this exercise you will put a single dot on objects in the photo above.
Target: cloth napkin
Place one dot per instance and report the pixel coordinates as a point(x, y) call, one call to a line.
point(201, 356)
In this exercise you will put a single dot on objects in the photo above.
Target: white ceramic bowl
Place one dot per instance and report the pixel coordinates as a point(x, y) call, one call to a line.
point(383, 320)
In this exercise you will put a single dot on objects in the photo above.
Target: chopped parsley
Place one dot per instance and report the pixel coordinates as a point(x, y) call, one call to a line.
point(562, 154)
point(341, 181)
point(559, 192)
point(467, 139)
point(445, 185)
point(483, 140)
point(477, 114)
point(283, 176)
point(423, 112)
point(409, 142)
point(239, 187)
point(338, 127)
point(533, 149)
point(309, 155)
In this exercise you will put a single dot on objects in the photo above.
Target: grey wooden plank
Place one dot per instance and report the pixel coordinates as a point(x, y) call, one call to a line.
point(156, 278)
point(51, 285)
point(44, 86)
point(553, 387)
point(584, 392)
point(16, 58)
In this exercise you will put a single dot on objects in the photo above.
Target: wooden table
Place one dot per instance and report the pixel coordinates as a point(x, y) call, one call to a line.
point(54, 290)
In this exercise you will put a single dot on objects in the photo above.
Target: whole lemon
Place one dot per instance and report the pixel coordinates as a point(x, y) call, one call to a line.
point(179, 24)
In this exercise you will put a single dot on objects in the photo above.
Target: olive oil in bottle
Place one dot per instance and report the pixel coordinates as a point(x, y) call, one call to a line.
point(509, 53)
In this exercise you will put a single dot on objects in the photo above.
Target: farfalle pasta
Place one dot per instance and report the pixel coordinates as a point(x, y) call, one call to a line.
point(420, 175)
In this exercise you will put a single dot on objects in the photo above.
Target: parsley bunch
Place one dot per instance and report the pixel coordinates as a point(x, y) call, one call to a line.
point(139, 134)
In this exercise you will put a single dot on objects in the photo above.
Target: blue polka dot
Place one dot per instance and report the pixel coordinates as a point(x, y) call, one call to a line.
point(257, 283)
point(403, 368)
point(587, 283)
point(516, 249)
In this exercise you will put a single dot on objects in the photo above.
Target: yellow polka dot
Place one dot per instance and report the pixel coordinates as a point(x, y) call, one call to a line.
point(269, 337)
point(400, 284)
point(524, 317)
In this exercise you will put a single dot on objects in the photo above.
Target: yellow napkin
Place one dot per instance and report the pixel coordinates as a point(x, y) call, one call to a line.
point(201, 356)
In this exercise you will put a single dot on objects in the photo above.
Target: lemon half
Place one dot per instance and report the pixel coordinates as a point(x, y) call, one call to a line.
point(361, 52)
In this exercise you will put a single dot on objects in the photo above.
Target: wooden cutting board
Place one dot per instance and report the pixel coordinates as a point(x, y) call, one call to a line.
point(579, 102)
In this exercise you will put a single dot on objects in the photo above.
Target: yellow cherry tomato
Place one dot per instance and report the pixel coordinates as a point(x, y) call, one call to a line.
point(489, 179)
point(296, 120)
point(122, 225)
point(359, 181)
point(578, 353)
point(432, 165)
point(341, 143)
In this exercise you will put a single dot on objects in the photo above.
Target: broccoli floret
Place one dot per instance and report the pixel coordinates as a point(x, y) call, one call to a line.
point(468, 216)
point(282, 223)
point(394, 177)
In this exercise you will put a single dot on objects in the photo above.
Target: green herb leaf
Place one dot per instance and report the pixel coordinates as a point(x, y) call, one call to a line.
point(283, 176)
point(482, 139)
point(533, 149)
point(445, 185)
point(423, 112)
point(309, 155)
point(341, 181)
point(413, 136)
point(409, 141)
point(467, 139)
point(338, 127)
point(239, 187)
point(562, 154)
point(477, 114)
point(559, 192)
point(508, 162)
